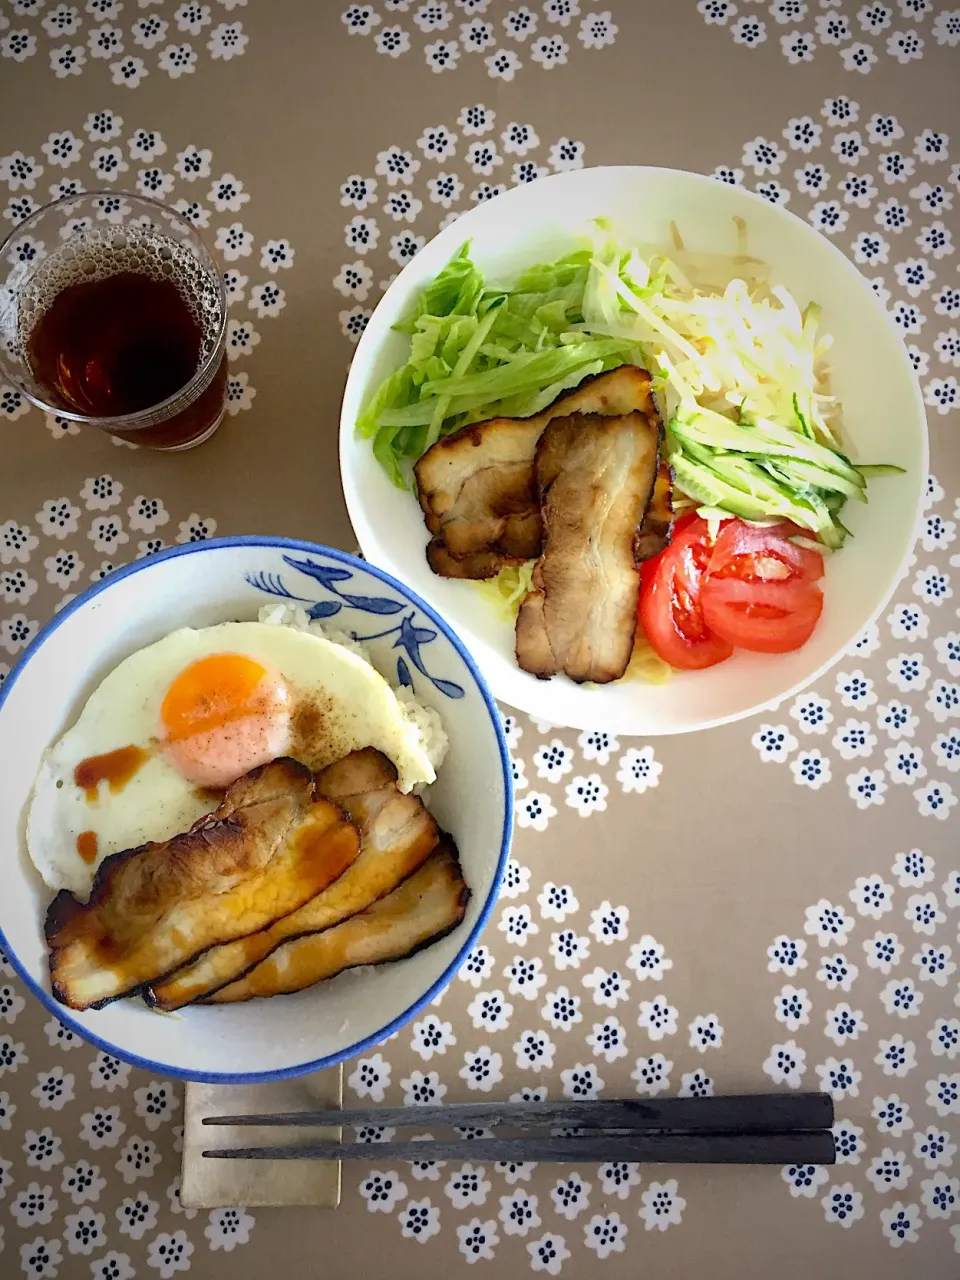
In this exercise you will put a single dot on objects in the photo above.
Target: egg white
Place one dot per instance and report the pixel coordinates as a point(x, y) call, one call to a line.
point(359, 709)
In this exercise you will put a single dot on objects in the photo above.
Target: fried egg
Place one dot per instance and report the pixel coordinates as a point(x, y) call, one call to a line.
point(178, 721)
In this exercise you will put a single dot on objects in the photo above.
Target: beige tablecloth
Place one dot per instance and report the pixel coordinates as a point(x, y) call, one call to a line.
point(768, 905)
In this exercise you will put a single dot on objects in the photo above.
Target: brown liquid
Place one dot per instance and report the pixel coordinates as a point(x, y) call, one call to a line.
point(121, 344)
point(211, 795)
point(116, 768)
point(193, 423)
point(87, 846)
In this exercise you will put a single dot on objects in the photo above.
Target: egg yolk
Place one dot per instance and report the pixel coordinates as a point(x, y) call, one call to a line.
point(223, 716)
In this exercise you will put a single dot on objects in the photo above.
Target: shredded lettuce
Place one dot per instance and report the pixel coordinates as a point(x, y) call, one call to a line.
point(478, 351)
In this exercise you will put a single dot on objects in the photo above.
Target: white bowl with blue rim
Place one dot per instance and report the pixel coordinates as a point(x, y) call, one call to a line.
point(230, 579)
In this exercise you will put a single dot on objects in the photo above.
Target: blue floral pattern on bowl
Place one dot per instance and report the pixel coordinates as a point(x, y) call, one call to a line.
point(333, 577)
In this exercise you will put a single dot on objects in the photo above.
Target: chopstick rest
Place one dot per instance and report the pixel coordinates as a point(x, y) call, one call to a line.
point(209, 1184)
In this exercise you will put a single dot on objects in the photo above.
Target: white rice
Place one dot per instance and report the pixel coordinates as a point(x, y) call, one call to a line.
point(424, 720)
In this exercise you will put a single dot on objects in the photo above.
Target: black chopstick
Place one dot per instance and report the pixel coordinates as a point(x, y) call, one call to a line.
point(774, 1129)
point(813, 1147)
point(745, 1114)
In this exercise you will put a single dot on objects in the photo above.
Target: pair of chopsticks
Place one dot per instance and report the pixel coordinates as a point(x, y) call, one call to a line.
point(773, 1129)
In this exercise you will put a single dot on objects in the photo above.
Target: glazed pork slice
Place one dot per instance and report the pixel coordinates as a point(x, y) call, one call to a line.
point(488, 561)
point(488, 504)
point(475, 565)
point(477, 487)
point(496, 509)
point(421, 910)
point(596, 476)
point(396, 834)
point(653, 536)
point(270, 846)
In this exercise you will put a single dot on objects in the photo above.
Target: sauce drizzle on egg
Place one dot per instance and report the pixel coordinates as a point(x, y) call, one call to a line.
point(87, 846)
point(116, 768)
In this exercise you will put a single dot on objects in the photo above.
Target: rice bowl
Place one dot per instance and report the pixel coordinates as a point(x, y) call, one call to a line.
point(202, 585)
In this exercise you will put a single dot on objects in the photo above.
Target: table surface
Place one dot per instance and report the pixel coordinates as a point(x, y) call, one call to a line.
point(767, 905)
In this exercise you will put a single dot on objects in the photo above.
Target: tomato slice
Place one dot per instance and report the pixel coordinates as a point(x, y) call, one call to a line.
point(670, 608)
point(762, 616)
point(757, 553)
point(752, 589)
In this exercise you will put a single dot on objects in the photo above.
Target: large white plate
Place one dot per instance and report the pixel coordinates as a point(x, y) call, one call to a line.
point(883, 418)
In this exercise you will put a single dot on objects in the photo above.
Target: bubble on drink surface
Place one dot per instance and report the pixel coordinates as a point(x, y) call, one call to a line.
point(96, 253)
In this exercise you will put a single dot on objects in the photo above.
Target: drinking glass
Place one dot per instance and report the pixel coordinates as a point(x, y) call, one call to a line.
point(113, 314)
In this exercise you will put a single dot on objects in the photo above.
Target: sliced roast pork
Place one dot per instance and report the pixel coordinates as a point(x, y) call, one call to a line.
point(420, 910)
point(477, 487)
point(654, 534)
point(397, 834)
point(595, 477)
point(272, 845)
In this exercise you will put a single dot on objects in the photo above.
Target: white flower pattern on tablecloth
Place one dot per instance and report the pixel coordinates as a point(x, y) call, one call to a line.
point(444, 188)
point(71, 39)
point(859, 46)
point(652, 1075)
point(609, 988)
point(382, 1191)
point(526, 977)
point(867, 734)
point(896, 1056)
point(786, 1064)
point(595, 30)
point(837, 973)
point(570, 1196)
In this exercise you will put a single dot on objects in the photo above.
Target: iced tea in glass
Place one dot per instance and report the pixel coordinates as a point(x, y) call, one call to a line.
point(113, 314)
